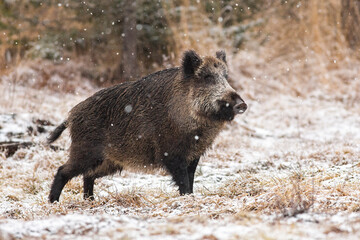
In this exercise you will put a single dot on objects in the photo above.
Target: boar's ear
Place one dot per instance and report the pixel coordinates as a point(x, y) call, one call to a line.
point(191, 62)
point(221, 55)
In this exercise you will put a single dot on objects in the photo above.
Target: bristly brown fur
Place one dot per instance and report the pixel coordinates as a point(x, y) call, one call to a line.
point(166, 119)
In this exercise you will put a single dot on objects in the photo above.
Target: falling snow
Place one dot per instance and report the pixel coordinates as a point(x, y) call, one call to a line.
point(128, 108)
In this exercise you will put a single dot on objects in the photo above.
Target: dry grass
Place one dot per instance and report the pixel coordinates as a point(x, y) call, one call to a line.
point(286, 184)
point(191, 32)
point(254, 189)
point(300, 50)
point(289, 167)
point(44, 74)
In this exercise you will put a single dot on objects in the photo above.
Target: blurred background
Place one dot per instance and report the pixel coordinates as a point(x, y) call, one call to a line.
point(296, 46)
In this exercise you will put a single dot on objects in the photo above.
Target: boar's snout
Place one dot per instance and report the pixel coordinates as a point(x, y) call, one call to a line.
point(231, 105)
point(240, 106)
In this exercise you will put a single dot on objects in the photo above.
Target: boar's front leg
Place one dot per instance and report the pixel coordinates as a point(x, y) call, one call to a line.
point(191, 172)
point(177, 167)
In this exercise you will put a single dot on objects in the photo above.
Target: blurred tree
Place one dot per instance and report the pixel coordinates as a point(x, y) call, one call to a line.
point(350, 20)
point(129, 37)
point(120, 39)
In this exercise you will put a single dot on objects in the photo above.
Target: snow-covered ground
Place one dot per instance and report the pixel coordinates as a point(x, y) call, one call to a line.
point(287, 169)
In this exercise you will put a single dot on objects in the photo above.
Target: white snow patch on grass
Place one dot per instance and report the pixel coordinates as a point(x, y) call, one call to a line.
point(288, 168)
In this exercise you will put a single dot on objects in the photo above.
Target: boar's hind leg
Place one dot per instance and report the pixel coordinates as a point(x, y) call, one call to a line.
point(89, 180)
point(63, 175)
point(191, 172)
point(178, 169)
point(89, 187)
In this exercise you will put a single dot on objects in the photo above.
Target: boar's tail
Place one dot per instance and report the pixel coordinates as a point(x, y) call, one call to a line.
point(57, 132)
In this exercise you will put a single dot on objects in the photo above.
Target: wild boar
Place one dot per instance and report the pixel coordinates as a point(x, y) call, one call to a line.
point(167, 119)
